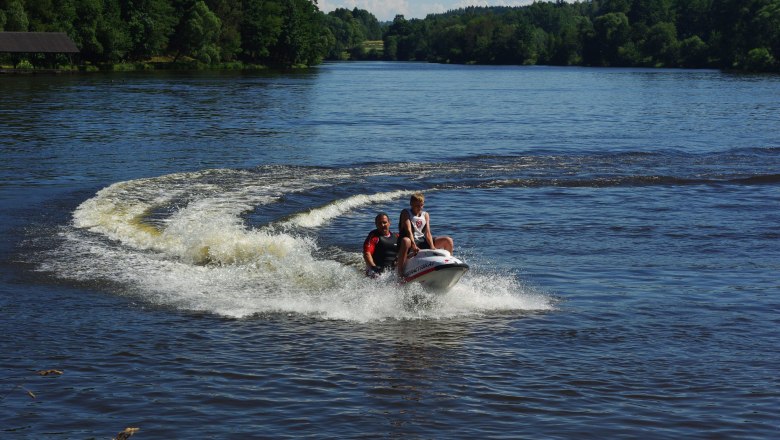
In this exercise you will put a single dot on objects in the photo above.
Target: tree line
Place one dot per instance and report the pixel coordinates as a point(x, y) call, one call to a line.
point(729, 34)
point(207, 32)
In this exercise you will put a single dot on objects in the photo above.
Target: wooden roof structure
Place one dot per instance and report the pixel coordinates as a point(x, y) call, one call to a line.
point(37, 42)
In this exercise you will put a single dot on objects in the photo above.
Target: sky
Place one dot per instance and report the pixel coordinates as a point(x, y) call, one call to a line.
point(386, 10)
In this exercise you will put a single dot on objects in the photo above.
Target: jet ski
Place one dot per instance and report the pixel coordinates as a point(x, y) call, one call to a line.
point(435, 269)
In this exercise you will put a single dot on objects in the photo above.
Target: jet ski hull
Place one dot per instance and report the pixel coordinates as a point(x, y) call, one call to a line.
point(435, 269)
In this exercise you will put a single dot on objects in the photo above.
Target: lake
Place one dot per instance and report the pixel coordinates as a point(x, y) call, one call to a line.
point(184, 248)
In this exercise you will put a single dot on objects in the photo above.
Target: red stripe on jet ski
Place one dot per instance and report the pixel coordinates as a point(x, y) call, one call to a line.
point(435, 268)
point(408, 279)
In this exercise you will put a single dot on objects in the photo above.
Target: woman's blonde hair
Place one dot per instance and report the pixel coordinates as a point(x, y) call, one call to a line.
point(420, 197)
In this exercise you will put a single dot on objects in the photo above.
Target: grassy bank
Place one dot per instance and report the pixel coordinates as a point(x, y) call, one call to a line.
point(34, 65)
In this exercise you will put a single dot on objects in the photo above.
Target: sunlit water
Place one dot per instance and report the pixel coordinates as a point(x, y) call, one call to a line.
point(185, 248)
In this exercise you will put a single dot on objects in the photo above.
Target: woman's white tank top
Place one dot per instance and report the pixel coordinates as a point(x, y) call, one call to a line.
point(418, 224)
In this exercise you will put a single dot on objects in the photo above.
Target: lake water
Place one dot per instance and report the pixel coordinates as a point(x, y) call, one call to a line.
point(185, 249)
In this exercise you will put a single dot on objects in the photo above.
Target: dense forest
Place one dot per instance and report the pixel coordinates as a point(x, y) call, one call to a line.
point(729, 34)
point(282, 32)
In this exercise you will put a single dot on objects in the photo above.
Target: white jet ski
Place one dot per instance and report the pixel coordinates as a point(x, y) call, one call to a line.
point(436, 269)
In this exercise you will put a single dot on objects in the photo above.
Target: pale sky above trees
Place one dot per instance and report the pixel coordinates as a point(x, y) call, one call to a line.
point(386, 10)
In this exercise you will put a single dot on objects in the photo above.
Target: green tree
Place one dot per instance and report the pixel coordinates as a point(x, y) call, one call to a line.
point(339, 34)
point(662, 45)
point(503, 46)
point(447, 43)
point(370, 25)
point(260, 29)
point(150, 25)
point(526, 37)
point(42, 15)
point(87, 16)
point(396, 39)
point(614, 7)
point(113, 33)
point(15, 17)
point(299, 42)
point(651, 12)
point(611, 31)
point(569, 45)
point(694, 17)
point(348, 31)
point(198, 34)
point(230, 14)
point(479, 39)
point(767, 24)
point(760, 60)
point(730, 36)
point(693, 52)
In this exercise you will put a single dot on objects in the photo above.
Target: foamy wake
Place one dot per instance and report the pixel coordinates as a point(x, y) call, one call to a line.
point(201, 256)
point(318, 216)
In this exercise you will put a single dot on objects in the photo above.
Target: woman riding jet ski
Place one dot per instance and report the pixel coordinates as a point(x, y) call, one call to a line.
point(431, 263)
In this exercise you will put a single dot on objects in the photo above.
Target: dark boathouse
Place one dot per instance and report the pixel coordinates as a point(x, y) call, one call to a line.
point(20, 45)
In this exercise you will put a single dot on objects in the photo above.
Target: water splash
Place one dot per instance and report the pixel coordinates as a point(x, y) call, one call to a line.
point(181, 241)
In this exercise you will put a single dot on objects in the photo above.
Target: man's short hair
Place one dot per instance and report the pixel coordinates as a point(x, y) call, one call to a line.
point(380, 215)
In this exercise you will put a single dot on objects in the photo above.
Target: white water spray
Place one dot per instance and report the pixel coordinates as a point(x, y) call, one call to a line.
point(202, 256)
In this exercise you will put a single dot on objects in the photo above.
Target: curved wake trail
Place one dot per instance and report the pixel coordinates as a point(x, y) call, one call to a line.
point(318, 216)
point(181, 241)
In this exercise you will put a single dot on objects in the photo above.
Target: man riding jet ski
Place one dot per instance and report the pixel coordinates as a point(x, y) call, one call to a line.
point(380, 248)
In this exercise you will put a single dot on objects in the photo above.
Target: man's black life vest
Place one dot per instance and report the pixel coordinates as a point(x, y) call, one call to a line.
point(386, 251)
